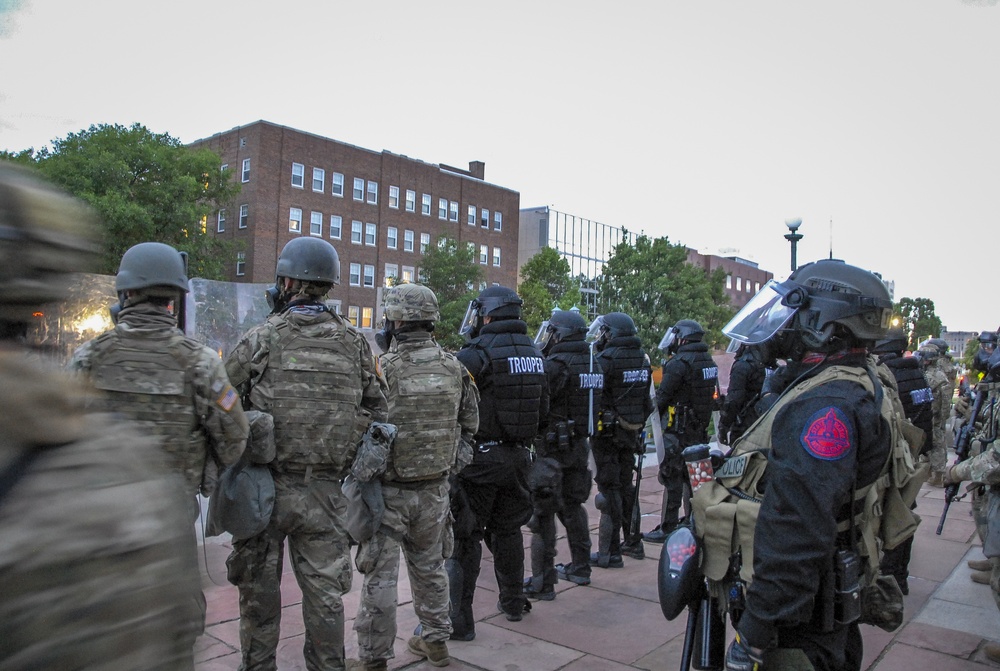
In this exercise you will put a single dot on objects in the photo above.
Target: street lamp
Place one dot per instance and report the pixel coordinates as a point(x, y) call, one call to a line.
point(793, 236)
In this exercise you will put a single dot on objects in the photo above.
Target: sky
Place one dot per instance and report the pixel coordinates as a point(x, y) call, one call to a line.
point(709, 122)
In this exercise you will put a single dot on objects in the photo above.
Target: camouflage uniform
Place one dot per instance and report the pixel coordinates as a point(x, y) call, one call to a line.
point(316, 375)
point(941, 388)
point(433, 401)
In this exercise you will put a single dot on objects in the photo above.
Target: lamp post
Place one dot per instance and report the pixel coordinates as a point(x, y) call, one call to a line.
point(793, 236)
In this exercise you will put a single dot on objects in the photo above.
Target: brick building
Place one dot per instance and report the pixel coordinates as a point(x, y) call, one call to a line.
point(379, 209)
point(744, 278)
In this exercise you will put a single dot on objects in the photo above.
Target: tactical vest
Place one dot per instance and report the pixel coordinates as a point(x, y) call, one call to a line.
point(510, 386)
point(726, 509)
point(627, 374)
point(701, 379)
point(312, 387)
point(425, 392)
point(914, 392)
point(146, 377)
point(573, 359)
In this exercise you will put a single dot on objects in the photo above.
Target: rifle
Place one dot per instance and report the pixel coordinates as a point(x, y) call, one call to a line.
point(962, 442)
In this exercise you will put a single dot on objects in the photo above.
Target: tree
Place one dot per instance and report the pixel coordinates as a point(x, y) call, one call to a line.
point(146, 187)
point(546, 284)
point(653, 283)
point(451, 270)
point(918, 319)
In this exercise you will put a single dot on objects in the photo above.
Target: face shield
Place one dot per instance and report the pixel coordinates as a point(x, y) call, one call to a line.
point(765, 314)
point(470, 323)
point(733, 347)
point(544, 335)
point(594, 332)
point(668, 340)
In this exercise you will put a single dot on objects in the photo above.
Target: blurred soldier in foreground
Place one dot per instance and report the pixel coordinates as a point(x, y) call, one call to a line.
point(315, 374)
point(560, 475)
point(96, 559)
point(513, 407)
point(930, 358)
point(434, 404)
point(625, 406)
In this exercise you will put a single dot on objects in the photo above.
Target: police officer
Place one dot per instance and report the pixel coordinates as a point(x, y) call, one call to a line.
point(172, 386)
point(625, 406)
point(95, 561)
point(563, 450)
point(937, 378)
point(434, 404)
point(315, 374)
point(751, 366)
point(827, 441)
point(685, 401)
point(513, 408)
point(917, 399)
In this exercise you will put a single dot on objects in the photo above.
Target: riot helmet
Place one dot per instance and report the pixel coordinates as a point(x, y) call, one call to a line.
point(607, 327)
point(314, 262)
point(45, 235)
point(822, 306)
point(496, 302)
point(684, 331)
point(562, 325)
point(988, 340)
point(894, 342)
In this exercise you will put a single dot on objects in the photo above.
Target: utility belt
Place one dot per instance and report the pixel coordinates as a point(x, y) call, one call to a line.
point(560, 438)
point(411, 485)
point(486, 446)
point(608, 421)
point(308, 471)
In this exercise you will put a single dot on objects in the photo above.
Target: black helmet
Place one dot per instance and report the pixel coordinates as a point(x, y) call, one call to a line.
point(310, 260)
point(152, 265)
point(820, 303)
point(562, 325)
point(495, 302)
point(894, 342)
point(611, 325)
point(988, 338)
point(941, 344)
point(686, 330)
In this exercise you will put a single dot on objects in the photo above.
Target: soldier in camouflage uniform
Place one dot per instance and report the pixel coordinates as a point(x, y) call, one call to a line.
point(170, 385)
point(930, 357)
point(315, 373)
point(435, 406)
point(94, 563)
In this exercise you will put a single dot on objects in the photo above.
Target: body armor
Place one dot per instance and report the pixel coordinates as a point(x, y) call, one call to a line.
point(695, 395)
point(914, 392)
point(627, 375)
point(573, 361)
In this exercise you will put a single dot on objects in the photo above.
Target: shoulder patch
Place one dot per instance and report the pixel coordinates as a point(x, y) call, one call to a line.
point(826, 435)
point(228, 399)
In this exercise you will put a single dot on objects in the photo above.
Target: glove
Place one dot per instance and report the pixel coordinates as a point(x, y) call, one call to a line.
point(723, 436)
point(741, 657)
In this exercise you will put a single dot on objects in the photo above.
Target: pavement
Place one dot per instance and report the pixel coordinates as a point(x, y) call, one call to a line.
point(615, 623)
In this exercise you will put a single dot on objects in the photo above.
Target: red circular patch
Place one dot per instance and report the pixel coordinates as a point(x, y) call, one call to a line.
point(826, 435)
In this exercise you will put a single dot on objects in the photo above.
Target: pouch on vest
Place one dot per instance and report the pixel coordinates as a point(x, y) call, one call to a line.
point(365, 507)
point(545, 483)
point(244, 494)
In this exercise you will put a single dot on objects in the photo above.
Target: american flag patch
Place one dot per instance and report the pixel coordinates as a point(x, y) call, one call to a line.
point(228, 400)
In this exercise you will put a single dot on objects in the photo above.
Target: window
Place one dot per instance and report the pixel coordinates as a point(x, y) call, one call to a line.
point(729, 281)
point(246, 170)
point(221, 227)
point(352, 314)
point(425, 240)
point(315, 223)
point(335, 306)
point(739, 284)
point(241, 264)
point(408, 274)
point(472, 249)
point(298, 175)
point(319, 179)
point(411, 201)
point(359, 189)
point(442, 208)
point(425, 205)
point(391, 237)
point(496, 257)
point(295, 220)
point(244, 215)
point(484, 252)
point(497, 221)
point(224, 167)
point(356, 232)
point(747, 286)
point(472, 215)
point(366, 318)
point(355, 278)
point(371, 233)
point(394, 197)
point(485, 219)
point(336, 224)
point(369, 275)
point(391, 273)
point(337, 185)
point(407, 241)
point(453, 211)
point(373, 193)
point(203, 224)
point(756, 286)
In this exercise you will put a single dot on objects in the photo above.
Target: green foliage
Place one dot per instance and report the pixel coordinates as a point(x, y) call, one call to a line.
point(146, 187)
point(451, 270)
point(971, 347)
point(546, 283)
point(653, 283)
point(917, 318)
point(537, 304)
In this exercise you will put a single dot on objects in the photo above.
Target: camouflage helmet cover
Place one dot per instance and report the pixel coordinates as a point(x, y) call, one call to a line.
point(45, 235)
point(411, 303)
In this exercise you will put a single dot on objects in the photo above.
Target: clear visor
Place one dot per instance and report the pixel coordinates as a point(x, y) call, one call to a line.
point(762, 317)
point(470, 319)
point(668, 339)
point(543, 336)
point(733, 347)
point(595, 329)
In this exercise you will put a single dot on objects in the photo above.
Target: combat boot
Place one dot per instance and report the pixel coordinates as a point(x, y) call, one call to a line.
point(435, 652)
point(980, 564)
point(992, 652)
point(981, 577)
point(371, 665)
point(573, 573)
point(634, 550)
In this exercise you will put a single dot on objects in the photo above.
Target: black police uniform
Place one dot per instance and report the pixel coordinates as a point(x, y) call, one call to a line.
point(746, 379)
point(689, 382)
point(572, 380)
point(627, 374)
point(834, 435)
point(513, 407)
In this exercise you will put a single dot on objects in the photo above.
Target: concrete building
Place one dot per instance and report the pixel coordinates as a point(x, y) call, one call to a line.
point(379, 209)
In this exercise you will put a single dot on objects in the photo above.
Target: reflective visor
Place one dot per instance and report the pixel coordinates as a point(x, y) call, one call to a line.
point(595, 329)
point(762, 317)
point(668, 339)
point(543, 336)
point(470, 319)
